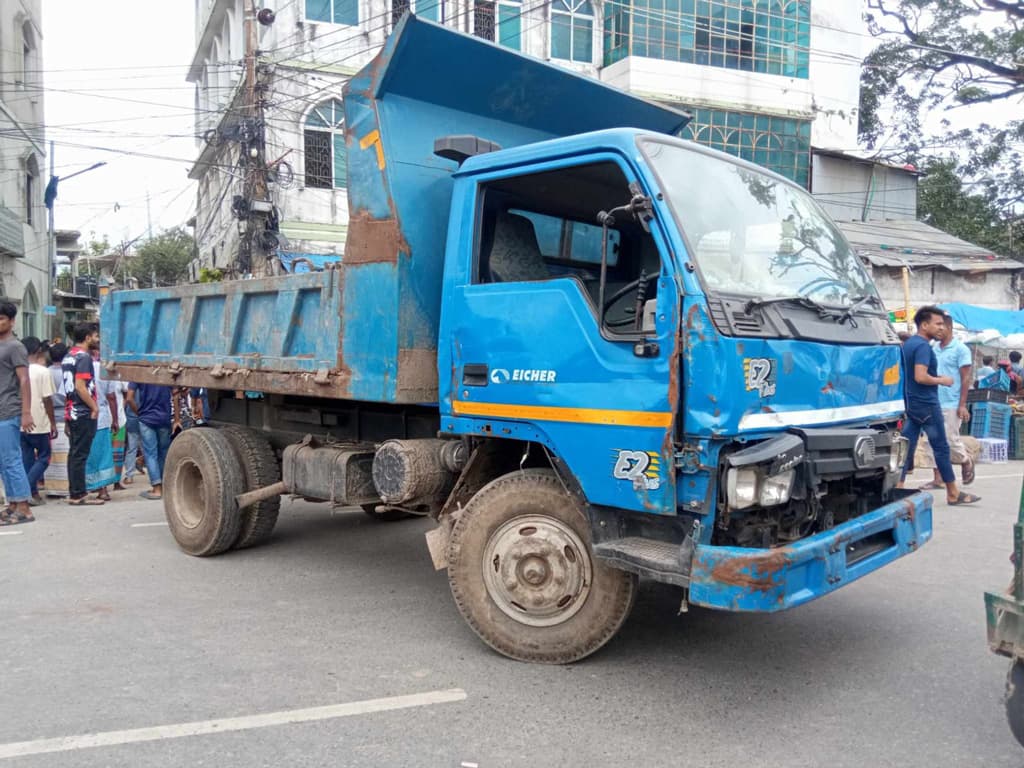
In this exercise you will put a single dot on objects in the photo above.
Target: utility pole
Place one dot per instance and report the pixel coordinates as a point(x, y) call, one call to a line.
point(51, 247)
point(252, 148)
point(149, 218)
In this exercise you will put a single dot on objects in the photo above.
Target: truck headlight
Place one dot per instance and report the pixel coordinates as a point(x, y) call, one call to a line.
point(742, 487)
point(898, 454)
point(776, 489)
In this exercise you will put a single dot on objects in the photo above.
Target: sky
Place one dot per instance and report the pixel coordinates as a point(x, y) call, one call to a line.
point(114, 74)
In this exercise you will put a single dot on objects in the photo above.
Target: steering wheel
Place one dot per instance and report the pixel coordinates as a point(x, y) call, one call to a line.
point(619, 295)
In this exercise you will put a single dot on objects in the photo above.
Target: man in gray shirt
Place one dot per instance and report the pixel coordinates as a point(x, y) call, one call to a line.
point(15, 416)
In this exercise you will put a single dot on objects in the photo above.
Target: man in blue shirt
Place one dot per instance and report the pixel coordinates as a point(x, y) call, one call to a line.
point(955, 362)
point(156, 410)
point(924, 413)
point(987, 368)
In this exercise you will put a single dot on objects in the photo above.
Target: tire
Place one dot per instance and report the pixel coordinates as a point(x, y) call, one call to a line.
point(1015, 699)
point(259, 468)
point(523, 575)
point(387, 516)
point(201, 479)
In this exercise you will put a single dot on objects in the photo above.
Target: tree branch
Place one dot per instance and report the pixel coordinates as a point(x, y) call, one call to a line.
point(1011, 9)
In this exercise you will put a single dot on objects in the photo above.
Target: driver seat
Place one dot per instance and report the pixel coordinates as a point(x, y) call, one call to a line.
point(515, 254)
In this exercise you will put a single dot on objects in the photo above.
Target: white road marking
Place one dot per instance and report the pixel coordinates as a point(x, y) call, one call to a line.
point(148, 525)
point(248, 722)
point(11, 533)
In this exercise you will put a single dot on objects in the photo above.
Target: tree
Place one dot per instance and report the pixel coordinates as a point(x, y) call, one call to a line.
point(948, 55)
point(944, 202)
point(165, 256)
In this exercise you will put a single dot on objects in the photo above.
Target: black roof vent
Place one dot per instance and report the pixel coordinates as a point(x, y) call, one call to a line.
point(461, 148)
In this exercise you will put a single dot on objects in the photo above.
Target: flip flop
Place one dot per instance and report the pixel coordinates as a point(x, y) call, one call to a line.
point(16, 518)
point(150, 496)
point(963, 498)
point(85, 501)
point(931, 486)
point(967, 471)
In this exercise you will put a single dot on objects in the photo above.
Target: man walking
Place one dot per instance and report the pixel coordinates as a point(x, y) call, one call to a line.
point(15, 415)
point(35, 442)
point(954, 362)
point(924, 413)
point(81, 409)
point(152, 404)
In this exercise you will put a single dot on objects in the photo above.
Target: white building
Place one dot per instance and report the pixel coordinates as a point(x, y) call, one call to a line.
point(764, 79)
point(25, 278)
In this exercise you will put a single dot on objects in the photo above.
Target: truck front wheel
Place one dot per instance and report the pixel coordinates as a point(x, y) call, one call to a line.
point(523, 576)
point(202, 477)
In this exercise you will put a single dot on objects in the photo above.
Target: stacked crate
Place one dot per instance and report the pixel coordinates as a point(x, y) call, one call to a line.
point(1017, 437)
point(991, 420)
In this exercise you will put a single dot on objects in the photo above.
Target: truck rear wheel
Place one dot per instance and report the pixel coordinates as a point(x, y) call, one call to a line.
point(523, 575)
point(260, 468)
point(202, 476)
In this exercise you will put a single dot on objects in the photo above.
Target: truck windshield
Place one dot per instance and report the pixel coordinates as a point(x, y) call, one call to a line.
point(753, 234)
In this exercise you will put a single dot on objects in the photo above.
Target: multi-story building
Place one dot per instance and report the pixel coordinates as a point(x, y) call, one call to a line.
point(764, 79)
point(25, 278)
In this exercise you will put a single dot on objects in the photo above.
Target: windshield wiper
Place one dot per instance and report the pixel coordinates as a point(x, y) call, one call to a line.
point(858, 302)
point(805, 301)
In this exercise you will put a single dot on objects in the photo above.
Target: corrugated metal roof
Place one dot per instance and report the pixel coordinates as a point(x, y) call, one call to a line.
point(895, 243)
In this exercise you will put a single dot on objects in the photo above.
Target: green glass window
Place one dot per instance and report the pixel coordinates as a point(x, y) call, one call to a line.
point(780, 144)
point(324, 145)
point(333, 11)
point(498, 21)
point(572, 30)
point(767, 36)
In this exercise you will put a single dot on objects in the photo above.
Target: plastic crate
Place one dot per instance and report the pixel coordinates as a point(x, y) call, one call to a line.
point(993, 451)
point(988, 396)
point(1017, 437)
point(991, 420)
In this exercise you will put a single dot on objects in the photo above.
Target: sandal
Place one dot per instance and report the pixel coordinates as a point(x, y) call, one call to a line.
point(963, 498)
point(85, 501)
point(967, 472)
point(13, 517)
point(151, 496)
point(931, 486)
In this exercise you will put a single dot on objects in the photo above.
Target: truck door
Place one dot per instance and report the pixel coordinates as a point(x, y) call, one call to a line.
point(534, 355)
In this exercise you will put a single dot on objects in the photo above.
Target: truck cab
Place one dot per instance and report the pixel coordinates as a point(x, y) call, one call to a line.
point(711, 365)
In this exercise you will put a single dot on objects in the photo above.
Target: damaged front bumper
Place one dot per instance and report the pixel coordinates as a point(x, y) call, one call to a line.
point(767, 580)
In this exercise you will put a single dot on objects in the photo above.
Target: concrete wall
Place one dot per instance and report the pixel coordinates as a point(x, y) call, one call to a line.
point(842, 186)
point(26, 278)
point(993, 290)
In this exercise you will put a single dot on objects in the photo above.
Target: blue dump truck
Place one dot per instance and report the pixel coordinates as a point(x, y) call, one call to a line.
point(592, 351)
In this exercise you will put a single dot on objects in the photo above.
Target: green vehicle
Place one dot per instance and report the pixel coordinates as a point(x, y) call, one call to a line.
point(1005, 618)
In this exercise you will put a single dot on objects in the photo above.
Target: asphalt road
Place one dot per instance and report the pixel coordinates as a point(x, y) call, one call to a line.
point(107, 627)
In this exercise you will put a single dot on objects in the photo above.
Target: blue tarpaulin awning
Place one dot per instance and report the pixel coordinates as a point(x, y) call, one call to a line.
point(975, 318)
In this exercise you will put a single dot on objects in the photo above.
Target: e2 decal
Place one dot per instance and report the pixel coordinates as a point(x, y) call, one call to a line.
point(639, 467)
point(759, 374)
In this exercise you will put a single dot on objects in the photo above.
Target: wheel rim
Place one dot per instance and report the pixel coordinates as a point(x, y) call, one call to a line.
point(189, 490)
point(537, 570)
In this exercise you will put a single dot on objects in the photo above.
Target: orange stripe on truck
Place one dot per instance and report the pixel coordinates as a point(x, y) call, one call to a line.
point(558, 413)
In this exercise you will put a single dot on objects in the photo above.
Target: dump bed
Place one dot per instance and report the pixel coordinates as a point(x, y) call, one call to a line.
point(367, 328)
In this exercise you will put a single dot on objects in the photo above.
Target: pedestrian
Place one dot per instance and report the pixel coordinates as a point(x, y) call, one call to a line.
point(152, 404)
point(133, 440)
point(81, 409)
point(954, 362)
point(35, 442)
point(1017, 370)
point(56, 477)
point(924, 412)
point(99, 468)
point(119, 435)
point(15, 415)
point(987, 369)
